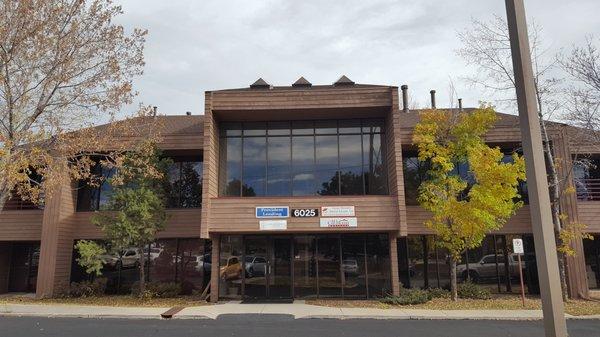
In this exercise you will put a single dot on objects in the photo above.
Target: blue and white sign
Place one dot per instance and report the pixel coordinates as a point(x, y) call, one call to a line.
point(272, 212)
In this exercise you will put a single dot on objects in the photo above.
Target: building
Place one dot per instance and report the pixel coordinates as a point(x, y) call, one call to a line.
point(294, 192)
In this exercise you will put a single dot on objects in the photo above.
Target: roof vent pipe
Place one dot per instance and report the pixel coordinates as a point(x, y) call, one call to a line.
point(154, 111)
point(188, 113)
point(404, 88)
point(460, 107)
point(432, 92)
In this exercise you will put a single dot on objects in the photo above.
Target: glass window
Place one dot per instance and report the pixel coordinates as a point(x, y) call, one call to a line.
point(231, 129)
point(591, 250)
point(93, 198)
point(303, 165)
point(162, 260)
point(191, 184)
point(191, 268)
point(378, 264)
point(320, 159)
point(373, 161)
point(231, 170)
point(351, 177)
point(254, 166)
point(353, 266)
point(325, 127)
point(279, 166)
point(305, 266)
point(326, 165)
point(230, 267)
point(330, 278)
point(415, 172)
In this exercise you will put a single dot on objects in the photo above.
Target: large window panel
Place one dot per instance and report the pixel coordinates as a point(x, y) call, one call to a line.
point(191, 184)
point(279, 166)
point(353, 266)
point(303, 165)
point(351, 177)
point(231, 171)
point(373, 161)
point(254, 166)
point(326, 171)
point(378, 264)
point(330, 278)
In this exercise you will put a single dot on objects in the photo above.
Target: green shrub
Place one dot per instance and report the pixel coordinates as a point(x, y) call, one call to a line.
point(438, 293)
point(88, 288)
point(472, 291)
point(157, 289)
point(408, 297)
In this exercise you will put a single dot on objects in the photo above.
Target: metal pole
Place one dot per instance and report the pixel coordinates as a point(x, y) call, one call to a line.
point(539, 198)
point(521, 279)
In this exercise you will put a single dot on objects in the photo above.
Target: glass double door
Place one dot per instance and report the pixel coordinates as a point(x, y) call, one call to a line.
point(267, 267)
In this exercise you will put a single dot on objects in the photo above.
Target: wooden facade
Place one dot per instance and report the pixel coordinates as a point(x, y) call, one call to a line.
point(59, 224)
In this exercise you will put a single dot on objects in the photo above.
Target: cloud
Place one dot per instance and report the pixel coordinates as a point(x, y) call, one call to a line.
point(194, 46)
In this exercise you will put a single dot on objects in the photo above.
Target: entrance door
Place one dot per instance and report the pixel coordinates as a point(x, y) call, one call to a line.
point(267, 268)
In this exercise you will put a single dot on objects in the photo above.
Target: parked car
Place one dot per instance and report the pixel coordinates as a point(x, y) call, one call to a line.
point(486, 268)
point(255, 266)
point(350, 266)
point(232, 269)
point(129, 258)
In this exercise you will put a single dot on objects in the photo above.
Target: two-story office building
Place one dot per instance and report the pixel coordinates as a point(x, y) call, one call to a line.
point(299, 191)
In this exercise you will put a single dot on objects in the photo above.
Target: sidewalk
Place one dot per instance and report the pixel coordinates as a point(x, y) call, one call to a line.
point(298, 310)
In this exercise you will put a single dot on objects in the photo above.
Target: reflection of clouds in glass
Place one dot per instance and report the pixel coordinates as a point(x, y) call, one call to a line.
point(304, 176)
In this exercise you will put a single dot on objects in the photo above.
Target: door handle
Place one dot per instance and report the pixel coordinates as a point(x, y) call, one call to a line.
point(269, 269)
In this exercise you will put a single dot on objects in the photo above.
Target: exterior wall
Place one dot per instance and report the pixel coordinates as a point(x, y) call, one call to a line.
point(210, 174)
point(57, 240)
point(394, 162)
point(24, 225)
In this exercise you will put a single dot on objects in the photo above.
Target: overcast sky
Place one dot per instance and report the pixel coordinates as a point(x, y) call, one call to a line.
point(195, 46)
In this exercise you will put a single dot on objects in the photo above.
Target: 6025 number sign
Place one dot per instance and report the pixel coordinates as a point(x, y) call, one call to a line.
point(305, 212)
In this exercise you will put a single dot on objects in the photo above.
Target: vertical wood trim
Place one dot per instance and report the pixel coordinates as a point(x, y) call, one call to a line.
point(211, 168)
point(214, 268)
point(394, 264)
point(394, 161)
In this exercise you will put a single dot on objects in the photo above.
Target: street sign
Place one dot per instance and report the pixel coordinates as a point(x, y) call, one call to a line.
point(305, 212)
point(337, 211)
point(272, 212)
point(518, 246)
point(338, 222)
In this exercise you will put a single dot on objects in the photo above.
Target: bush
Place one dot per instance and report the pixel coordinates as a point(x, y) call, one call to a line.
point(157, 289)
point(472, 291)
point(88, 288)
point(408, 297)
point(438, 293)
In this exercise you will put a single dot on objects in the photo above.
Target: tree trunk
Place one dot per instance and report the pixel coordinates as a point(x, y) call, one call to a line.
point(142, 271)
point(554, 195)
point(453, 282)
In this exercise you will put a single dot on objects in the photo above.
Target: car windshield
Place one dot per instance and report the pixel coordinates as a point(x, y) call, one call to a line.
point(249, 258)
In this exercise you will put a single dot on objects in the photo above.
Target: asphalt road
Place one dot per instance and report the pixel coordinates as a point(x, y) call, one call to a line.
point(278, 326)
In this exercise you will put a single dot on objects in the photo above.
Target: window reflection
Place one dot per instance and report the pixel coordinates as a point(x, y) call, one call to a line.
point(323, 157)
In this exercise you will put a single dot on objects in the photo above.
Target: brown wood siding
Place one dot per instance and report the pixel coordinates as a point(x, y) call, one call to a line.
point(182, 223)
point(310, 98)
point(589, 214)
point(517, 224)
point(210, 175)
point(394, 161)
point(57, 240)
point(237, 215)
point(25, 225)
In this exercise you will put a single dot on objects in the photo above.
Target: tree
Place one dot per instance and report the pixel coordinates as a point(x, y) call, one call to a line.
point(65, 65)
point(464, 209)
point(90, 256)
point(135, 211)
point(486, 45)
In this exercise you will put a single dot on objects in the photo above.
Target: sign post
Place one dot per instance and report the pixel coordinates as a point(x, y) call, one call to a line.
point(518, 249)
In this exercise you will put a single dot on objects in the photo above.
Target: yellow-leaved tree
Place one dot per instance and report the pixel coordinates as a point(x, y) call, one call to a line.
point(464, 209)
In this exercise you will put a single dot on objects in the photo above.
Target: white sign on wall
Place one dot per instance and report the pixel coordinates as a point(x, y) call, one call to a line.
point(337, 211)
point(518, 246)
point(338, 222)
point(272, 225)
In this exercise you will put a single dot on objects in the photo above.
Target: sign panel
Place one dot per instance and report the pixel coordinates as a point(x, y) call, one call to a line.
point(337, 211)
point(338, 222)
point(272, 225)
point(272, 212)
point(305, 212)
point(518, 246)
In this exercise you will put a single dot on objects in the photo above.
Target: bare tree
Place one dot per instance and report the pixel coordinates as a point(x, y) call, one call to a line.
point(486, 45)
point(64, 66)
